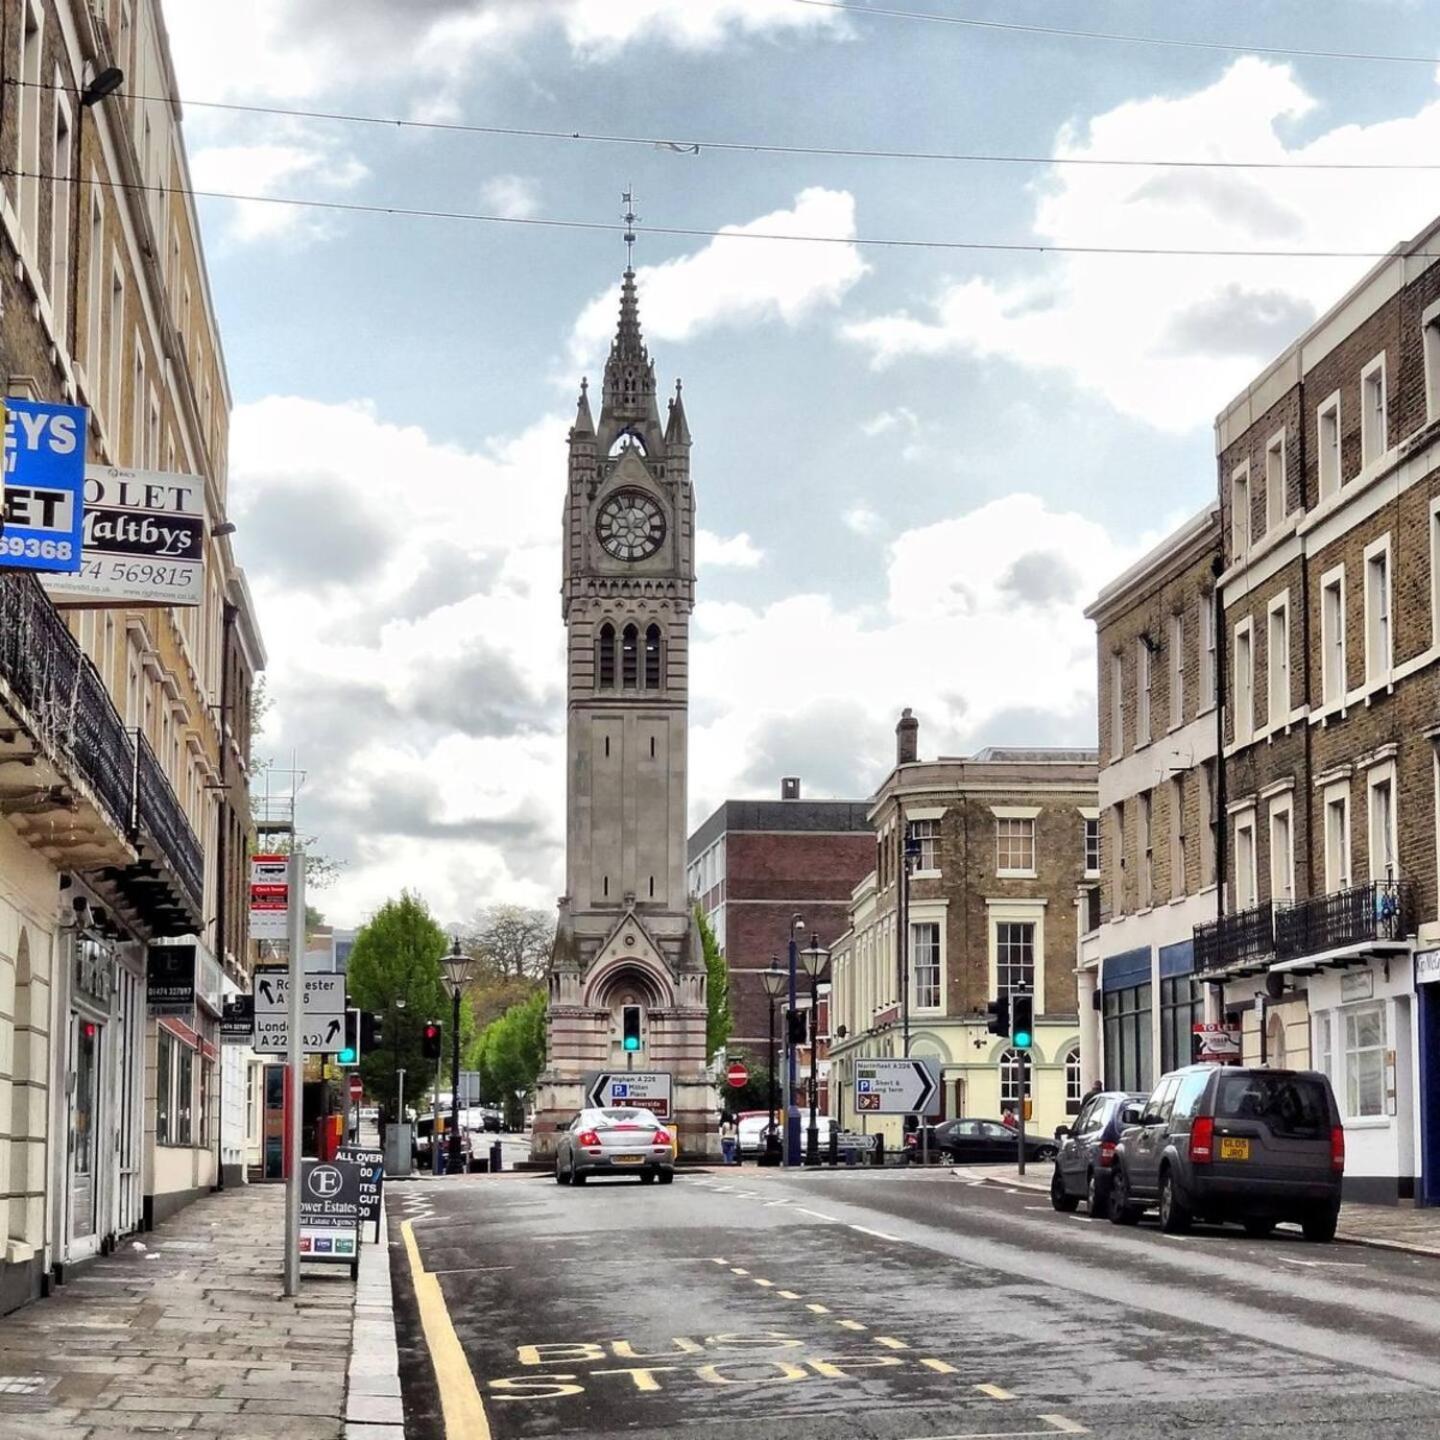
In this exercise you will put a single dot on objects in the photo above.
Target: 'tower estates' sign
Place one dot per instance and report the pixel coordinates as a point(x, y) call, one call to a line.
point(144, 539)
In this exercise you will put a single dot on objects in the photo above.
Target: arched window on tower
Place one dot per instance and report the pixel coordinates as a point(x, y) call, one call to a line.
point(605, 657)
point(652, 658)
point(630, 658)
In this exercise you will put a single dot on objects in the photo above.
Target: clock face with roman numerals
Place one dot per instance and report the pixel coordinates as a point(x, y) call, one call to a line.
point(630, 525)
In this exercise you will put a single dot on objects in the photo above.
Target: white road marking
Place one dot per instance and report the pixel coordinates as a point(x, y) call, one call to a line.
point(1064, 1425)
point(817, 1214)
point(890, 1343)
point(851, 1325)
point(1316, 1264)
point(818, 1309)
point(1039, 1207)
point(769, 1203)
point(878, 1234)
point(995, 1392)
point(1085, 1219)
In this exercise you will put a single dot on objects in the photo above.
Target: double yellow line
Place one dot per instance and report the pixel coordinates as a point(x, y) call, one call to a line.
point(460, 1402)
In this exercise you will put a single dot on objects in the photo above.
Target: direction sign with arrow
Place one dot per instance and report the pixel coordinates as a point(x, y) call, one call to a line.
point(322, 1008)
point(640, 1089)
point(898, 1087)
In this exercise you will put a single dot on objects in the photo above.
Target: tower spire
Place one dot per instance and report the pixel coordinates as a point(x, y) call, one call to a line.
point(630, 217)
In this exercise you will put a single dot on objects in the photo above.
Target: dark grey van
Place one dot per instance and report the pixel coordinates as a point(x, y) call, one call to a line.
point(1225, 1143)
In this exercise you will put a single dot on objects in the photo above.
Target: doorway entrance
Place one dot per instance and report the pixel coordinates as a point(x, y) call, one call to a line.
point(86, 1039)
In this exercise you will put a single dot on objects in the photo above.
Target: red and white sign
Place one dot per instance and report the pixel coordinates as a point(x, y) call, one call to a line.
point(357, 1087)
point(736, 1074)
point(269, 897)
point(1215, 1042)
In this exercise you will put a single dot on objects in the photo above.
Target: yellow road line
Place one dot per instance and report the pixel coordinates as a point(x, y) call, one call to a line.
point(818, 1309)
point(851, 1325)
point(994, 1392)
point(460, 1401)
point(941, 1368)
point(890, 1343)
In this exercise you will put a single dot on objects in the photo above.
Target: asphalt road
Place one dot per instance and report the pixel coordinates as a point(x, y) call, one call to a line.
point(897, 1306)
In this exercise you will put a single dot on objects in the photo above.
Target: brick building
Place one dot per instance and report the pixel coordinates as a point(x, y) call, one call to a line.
point(1000, 853)
point(124, 730)
point(1329, 492)
point(757, 865)
point(1155, 831)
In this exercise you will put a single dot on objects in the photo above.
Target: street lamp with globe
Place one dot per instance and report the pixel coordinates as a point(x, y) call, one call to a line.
point(813, 960)
point(457, 975)
point(776, 981)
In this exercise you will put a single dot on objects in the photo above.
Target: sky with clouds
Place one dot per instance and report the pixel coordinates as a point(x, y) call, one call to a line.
point(913, 465)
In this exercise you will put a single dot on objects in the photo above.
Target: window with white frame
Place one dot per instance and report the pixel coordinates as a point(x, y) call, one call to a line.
point(30, 103)
point(1277, 664)
point(1432, 362)
point(1381, 818)
point(1179, 838)
point(1435, 573)
point(1177, 671)
point(926, 835)
point(1206, 687)
point(94, 355)
point(113, 377)
point(1377, 610)
point(1142, 691)
point(1282, 850)
point(1205, 774)
point(1072, 1080)
point(1090, 836)
point(925, 965)
point(1275, 481)
point(1245, 884)
point(1145, 846)
point(1327, 431)
point(1011, 1064)
point(1240, 508)
point(1117, 850)
point(60, 225)
point(1323, 1045)
point(1014, 845)
point(1374, 430)
point(1337, 838)
point(1364, 1038)
point(1117, 707)
point(1332, 636)
point(1244, 686)
point(1014, 955)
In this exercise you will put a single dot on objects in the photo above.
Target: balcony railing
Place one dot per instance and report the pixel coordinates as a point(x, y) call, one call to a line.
point(159, 817)
point(67, 703)
point(1246, 936)
point(1363, 913)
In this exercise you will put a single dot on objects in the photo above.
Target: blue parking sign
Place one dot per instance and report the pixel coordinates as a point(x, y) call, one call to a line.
point(619, 1089)
point(44, 490)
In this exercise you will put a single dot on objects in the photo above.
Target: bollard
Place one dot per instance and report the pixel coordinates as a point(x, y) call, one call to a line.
point(880, 1149)
point(850, 1157)
point(834, 1146)
point(496, 1163)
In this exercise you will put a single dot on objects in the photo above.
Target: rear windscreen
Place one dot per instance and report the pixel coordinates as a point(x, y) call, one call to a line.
point(1288, 1104)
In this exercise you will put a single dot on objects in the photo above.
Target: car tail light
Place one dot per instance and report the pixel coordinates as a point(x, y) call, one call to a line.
point(1107, 1154)
point(1202, 1141)
point(1337, 1149)
point(662, 1137)
point(587, 1138)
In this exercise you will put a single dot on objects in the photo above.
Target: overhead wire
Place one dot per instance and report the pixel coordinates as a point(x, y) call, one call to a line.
point(692, 146)
point(693, 232)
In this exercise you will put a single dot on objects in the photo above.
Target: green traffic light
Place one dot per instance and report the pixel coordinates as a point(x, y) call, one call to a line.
point(346, 1057)
point(1022, 1039)
point(632, 1042)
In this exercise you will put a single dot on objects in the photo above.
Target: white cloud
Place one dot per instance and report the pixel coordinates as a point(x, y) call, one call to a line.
point(738, 551)
point(862, 520)
point(888, 420)
point(293, 166)
point(740, 282)
point(1165, 339)
point(516, 197)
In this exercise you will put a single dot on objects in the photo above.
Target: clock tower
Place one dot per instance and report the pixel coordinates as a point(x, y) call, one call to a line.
point(626, 939)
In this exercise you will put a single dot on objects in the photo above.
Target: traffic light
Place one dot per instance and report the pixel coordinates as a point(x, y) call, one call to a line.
point(798, 1022)
point(432, 1044)
point(372, 1032)
point(350, 1055)
point(630, 1028)
point(999, 1012)
point(1022, 1021)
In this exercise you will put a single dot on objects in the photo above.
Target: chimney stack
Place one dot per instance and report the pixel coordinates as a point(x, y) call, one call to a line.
point(789, 787)
point(907, 738)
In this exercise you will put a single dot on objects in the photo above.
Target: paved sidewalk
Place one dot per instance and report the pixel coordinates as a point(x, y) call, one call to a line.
point(186, 1331)
point(1384, 1227)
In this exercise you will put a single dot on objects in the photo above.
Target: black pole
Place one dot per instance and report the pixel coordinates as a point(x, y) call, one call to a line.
point(770, 1136)
point(1024, 1091)
point(792, 1132)
point(812, 1140)
point(455, 1164)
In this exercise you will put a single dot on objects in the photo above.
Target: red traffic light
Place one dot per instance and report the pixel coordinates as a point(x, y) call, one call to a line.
point(431, 1031)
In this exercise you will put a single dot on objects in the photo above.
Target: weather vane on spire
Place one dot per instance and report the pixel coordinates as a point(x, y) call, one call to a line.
point(630, 217)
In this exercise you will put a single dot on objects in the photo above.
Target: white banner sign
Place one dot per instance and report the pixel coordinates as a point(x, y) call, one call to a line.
point(143, 540)
point(322, 1010)
point(269, 897)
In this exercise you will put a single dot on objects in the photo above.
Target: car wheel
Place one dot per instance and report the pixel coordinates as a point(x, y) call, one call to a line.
point(1122, 1212)
point(667, 1177)
point(561, 1178)
point(1095, 1194)
point(1175, 1219)
point(1319, 1225)
point(577, 1176)
point(1060, 1197)
point(1046, 1153)
point(647, 1177)
point(1258, 1227)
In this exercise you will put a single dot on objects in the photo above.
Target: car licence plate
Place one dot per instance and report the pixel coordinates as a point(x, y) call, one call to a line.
point(628, 1159)
point(1231, 1149)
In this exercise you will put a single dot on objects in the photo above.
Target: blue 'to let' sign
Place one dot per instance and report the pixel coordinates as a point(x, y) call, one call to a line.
point(44, 493)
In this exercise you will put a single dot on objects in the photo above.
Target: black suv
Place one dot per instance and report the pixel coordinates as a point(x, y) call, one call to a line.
point(1087, 1152)
point(1223, 1142)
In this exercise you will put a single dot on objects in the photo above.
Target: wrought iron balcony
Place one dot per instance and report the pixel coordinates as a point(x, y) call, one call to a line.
point(1246, 937)
point(162, 830)
point(1378, 911)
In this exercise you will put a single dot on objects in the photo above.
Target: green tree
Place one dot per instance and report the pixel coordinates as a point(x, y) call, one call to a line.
point(513, 940)
point(717, 987)
point(510, 1052)
point(396, 958)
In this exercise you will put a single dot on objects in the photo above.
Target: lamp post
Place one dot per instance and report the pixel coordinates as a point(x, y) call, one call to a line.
point(457, 973)
point(397, 1008)
point(814, 958)
point(792, 1121)
point(774, 980)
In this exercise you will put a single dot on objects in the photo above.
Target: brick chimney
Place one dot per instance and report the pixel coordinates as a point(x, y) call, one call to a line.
point(789, 787)
point(907, 738)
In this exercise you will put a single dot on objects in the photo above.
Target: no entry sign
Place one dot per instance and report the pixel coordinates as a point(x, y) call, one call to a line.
point(736, 1074)
point(357, 1087)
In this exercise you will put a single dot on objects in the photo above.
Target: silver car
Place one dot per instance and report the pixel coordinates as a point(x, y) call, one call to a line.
point(612, 1142)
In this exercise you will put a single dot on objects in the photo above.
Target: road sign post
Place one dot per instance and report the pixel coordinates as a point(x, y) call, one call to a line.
point(637, 1089)
point(897, 1087)
point(295, 1063)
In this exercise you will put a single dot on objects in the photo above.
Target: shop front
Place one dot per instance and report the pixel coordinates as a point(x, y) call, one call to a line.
point(1427, 1004)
